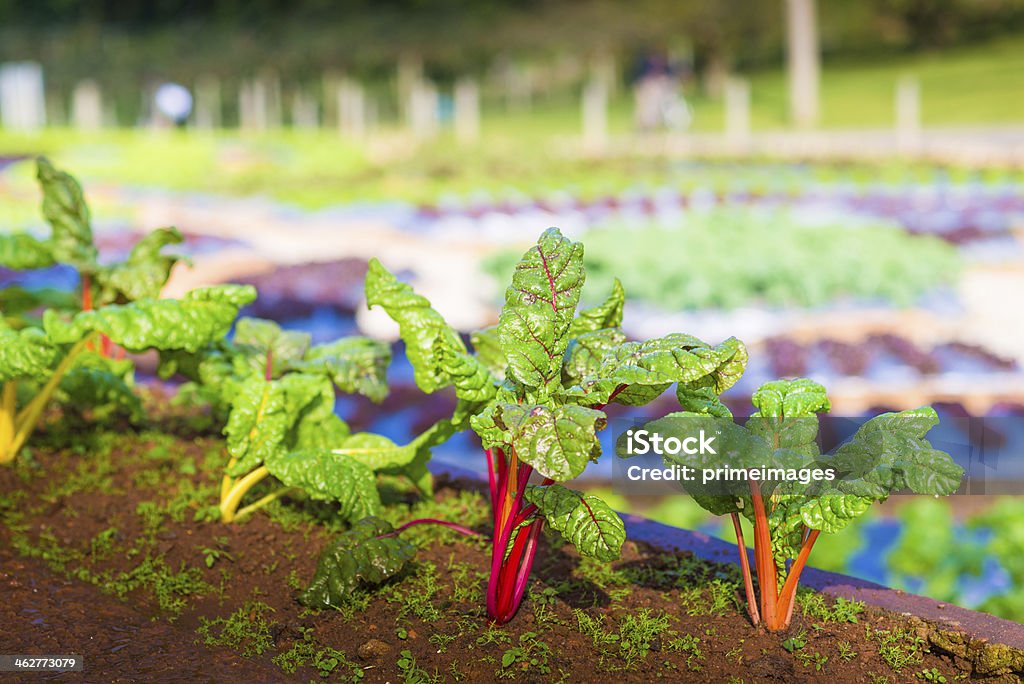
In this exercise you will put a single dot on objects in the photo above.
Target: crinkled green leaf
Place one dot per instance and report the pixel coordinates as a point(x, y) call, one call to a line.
point(325, 476)
point(363, 556)
point(734, 445)
point(638, 395)
point(586, 352)
point(472, 380)
point(263, 336)
point(607, 315)
point(310, 405)
point(190, 323)
point(102, 384)
point(831, 511)
point(702, 397)
point(67, 213)
point(658, 363)
point(419, 324)
point(732, 359)
point(539, 308)
point(217, 368)
point(326, 433)
point(930, 471)
point(673, 358)
point(16, 300)
point(356, 365)
point(787, 415)
point(488, 350)
point(790, 398)
point(24, 353)
point(21, 251)
point(557, 441)
point(144, 273)
point(381, 454)
point(492, 434)
point(890, 452)
point(258, 424)
point(374, 451)
point(584, 520)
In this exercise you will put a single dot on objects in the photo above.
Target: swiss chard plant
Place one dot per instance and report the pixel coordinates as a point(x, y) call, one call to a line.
point(278, 391)
point(99, 380)
point(533, 390)
point(141, 275)
point(888, 454)
point(61, 354)
point(36, 359)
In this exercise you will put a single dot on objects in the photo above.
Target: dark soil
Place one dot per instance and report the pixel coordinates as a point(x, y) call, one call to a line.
point(111, 551)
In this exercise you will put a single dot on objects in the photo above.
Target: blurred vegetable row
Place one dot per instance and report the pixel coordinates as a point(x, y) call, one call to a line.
point(732, 258)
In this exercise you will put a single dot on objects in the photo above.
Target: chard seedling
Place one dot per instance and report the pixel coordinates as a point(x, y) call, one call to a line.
point(889, 453)
point(534, 390)
point(55, 356)
point(141, 275)
point(278, 391)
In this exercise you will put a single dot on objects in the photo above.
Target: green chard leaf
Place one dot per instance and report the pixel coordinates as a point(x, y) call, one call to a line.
point(584, 520)
point(381, 454)
point(557, 441)
point(890, 453)
point(67, 213)
point(787, 416)
point(356, 365)
point(363, 556)
point(190, 323)
point(830, 511)
point(325, 476)
point(606, 315)
point(145, 272)
point(472, 380)
point(310, 405)
point(586, 352)
point(419, 325)
point(492, 434)
point(701, 397)
point(24, 353)
point(103, 384)
point(488, 350)
point(258, 424)
point(21, 251)
point(790, 398)
point(646, 369)
point(263, 336)
point(16, 300)
point(539, 307)
point(734, 445)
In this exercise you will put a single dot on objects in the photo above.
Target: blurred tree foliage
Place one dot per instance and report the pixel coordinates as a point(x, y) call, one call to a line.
point(127, 44)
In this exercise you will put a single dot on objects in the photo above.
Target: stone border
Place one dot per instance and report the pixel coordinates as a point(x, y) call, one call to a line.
point(993, 646)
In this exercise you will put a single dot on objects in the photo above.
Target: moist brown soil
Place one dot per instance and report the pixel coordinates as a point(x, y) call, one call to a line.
point(117, 515)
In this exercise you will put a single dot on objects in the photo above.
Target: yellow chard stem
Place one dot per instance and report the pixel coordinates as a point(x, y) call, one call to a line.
point(227, 482)
point(27, 418)
point(229, 503)
point(276, 494)
point(7, 411)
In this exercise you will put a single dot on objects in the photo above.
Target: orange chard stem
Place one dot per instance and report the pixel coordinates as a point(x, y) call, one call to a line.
point(786, 598)
point(87, 300)
point(511, 488)
point(86, 293)
point(748, 582)
point(767, 579)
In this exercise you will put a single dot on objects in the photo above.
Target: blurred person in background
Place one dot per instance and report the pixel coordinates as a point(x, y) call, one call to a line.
point(659, 103)
point(173, 104)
